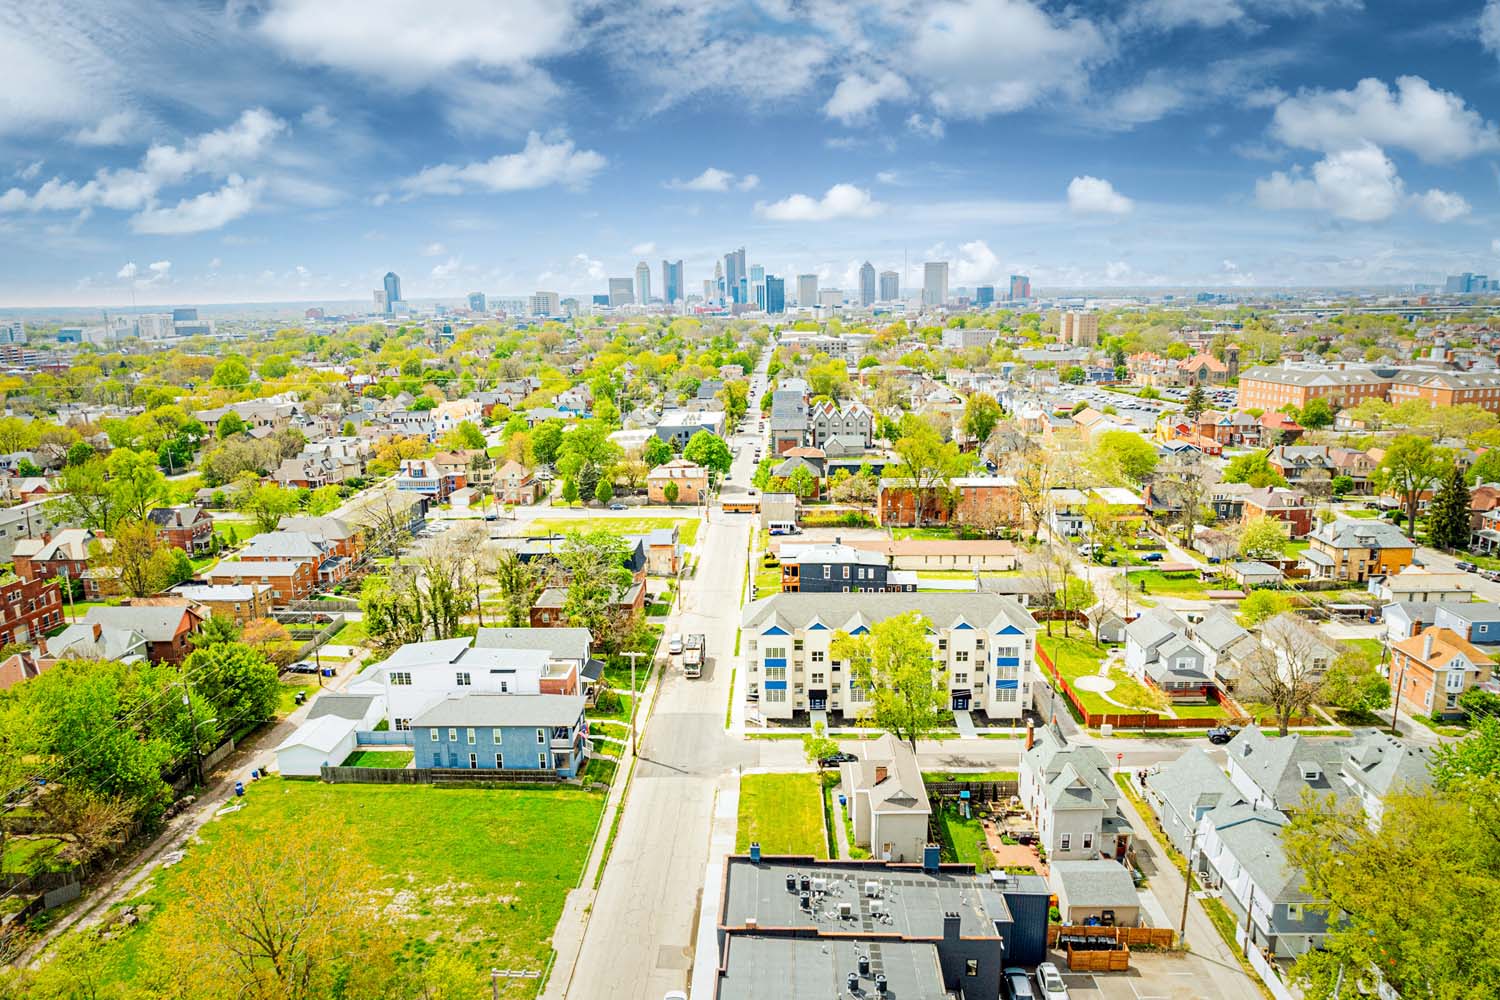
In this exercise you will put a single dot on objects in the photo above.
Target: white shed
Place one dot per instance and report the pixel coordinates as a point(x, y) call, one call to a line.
point(325, 740)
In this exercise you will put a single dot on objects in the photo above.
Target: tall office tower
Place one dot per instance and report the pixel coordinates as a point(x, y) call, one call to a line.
point(757, 285)
point(380, 300)
point(984, 295)
point(735, 274)
point(830, 298)
point(866, 284)
point(15, 333)
point(935, 283)
point(890, 286)
point(775, 294)
point(643, 283)
point(1080, 329)
point(1020, 288)
point(807, 290)
point(392, 291)
point(708, 290)
point(546, 304)
point(719, 281)
point(476, 302)
point(620, 292)
point(672, 289)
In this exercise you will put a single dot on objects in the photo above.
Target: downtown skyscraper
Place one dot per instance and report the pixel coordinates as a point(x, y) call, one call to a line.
point(672, 288)
point(867, 284)
point(736, 276)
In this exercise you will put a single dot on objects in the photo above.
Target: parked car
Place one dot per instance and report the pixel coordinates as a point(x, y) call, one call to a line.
point(616, 506)
point(1050, 982)
point(674, 644)
point(1219, 735)
point(835, 759)
point(1151, 557)
point(1018, 984)
point(1467, 567)
point(1493, 575)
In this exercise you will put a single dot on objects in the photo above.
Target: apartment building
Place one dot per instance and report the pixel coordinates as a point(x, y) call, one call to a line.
point(983, 650)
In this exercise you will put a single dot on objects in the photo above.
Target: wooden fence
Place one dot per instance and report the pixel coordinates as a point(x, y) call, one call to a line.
point(1098, 960)
point(979, 791)
point(435, 776)
point(1137, 937)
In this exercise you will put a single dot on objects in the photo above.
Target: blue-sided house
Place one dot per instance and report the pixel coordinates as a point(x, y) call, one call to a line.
point(508, 732)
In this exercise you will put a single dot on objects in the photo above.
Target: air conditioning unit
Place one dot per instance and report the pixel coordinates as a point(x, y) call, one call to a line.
point(872, 889)
point(820, 885)
point(846, 911)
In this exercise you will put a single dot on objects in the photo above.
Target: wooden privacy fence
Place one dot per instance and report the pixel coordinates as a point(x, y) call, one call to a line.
point(979, 791)
point(435, 776)
point(1114, 959)
point(1139, 937)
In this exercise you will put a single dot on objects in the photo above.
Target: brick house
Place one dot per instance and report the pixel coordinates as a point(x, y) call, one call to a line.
point(1433, 668)
point(1287, 506)
point(967, 500)
point(288, 581)
point(240, 604)
point(691, 480)
point(1354, 551)
point(422, 475)
point(167, 623)
point(189, 528)
point(517, 485)
point(28, 608)
point(61, 555)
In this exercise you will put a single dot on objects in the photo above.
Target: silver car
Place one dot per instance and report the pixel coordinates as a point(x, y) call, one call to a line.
point(1049, 983)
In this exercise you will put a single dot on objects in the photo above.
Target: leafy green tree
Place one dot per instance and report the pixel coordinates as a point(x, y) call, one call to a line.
point(1253, 468)
point(818, 745)
point(1355, 684)
point(803, 483)
point(136, 482)
point(324, 500)
point(80, 453)
point(276, 366)
point(597, 577)
point(656, 452)
point(229, 425)
point(570, 490)
point(1317, 414)
point(586, 451)
point(1478, 703)
point(1411, 466)
point(671, 492)
point(709, 450)
point(1124, 456)
point(981, 414)
point(237, 680)
point(1073, 375)
point(1448, 517)
point(231, 373)
point(464, 437)
point(1196, 403)
point(268, 503)
point(893, 661)
point(1473, 760)
point(1341, 485)
point(604, 492)
point(1263, 605)
point(1263, 538)
point(927, 461)
point(520, 582)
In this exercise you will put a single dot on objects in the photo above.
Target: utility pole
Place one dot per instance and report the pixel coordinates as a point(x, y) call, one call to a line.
point(633, 655)
point(1187, 891)
point(1396, 693)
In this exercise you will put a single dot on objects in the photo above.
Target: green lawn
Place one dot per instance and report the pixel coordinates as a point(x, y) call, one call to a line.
point(352, 634)
point(465, 868)
point(1185, 585)
point(1371, 649)
point(940, 776)
point(767, 581)
point(687, 526)
point(901, 534)
point(1360, 512)
point(1078, 656)
point(963, 839)
point(396, 759)
point(286, 693)
point(24, 854)
point(784, 812)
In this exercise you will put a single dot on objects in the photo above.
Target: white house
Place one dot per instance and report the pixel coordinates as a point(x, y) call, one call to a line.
point(887, 799)
point(1071, 795)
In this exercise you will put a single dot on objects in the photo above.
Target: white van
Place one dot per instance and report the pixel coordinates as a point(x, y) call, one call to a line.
point(674, 644)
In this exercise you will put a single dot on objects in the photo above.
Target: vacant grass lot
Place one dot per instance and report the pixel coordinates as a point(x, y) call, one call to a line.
point(1185, 585)
point(784, 812)
point(486, 870)
point(939, 776)
point(25, 854)
point(1077, 657)
point(378, 758)
point(687, 526)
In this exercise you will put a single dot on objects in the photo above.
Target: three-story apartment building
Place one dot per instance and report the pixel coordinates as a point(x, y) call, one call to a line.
point(983, 646)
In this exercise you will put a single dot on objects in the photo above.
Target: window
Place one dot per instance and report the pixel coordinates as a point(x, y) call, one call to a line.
point(856, 693)
point(961, 656)
point(1065, 842)
point(471, 736)
point(463, 678)
point(776, 652)
point(1088, 841)
point(403, 725)
point(473, 762)
point(437, 759)
point(971, 967)
point(435, 736)
point(942, 645)
point(495, 736)
point(776, 673)
point(453, 736)
point(1294, 911)
point(401, 678)
point(817, 678)
point(541, 760)
point(796, 645)
point(818, 656)
point(960, 680)
point(827, 572)
point(846, 572)
point(541, 736)
point(499, 761)
point(774, 695)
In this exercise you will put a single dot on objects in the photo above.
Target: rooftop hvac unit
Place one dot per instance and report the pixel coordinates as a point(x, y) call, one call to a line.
point(820, 885)
point(750, 921)
point(846, 911)
point(791, 883)
point(872, 889)
point(854, 983)
point(880, 984)
point(877, 908)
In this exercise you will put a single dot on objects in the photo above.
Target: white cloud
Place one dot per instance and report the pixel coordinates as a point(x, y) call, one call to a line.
point(1168, 14)
point(112, 130)
point(542, 163)
point(1360, 185)
point(643, 250)
point(931, 128)
point(413, 42)
point(888, 177)
point(215, 264)
point(204, 212)
point(43, 89)
point(1441, 206)
point(749, 182)
point(448, 269)
point(954, 50)
point(433, 250)
point(161, 267)
point(857, 95)
point(318, 116)
point(524, 99)
point(1096, 196)
point(714, 179)
point(975, 264)
point(1434, 124)
point(127, 272)
point(842, 201)
point(1489, 26)
point(31, 171)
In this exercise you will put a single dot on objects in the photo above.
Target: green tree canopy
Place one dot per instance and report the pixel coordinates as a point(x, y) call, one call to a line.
point(893, 662)
point(656, 452)
point(709, 450)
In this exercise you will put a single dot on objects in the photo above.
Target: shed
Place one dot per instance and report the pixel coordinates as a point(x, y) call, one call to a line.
point(328, 739)
point(1255, 574)
point(1095, 892)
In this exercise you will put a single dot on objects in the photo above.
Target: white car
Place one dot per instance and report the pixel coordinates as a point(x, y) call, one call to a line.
point(674, 644)
point(1050, 982)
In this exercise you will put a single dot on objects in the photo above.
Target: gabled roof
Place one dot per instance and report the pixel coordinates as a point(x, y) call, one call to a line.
point(1446, 644)
point(157, 622)
point(1382, 763)
point(1253, 838)
point(793, 611)
point(1275, 765)
point(483, 709)
point(1349, 533)
point(283, 545)
point(902, 789)
point(1193, 782)
point(561, 643)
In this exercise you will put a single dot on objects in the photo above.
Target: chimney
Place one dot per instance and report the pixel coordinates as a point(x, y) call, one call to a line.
point(1427, 644)
point(1030, 735)
point(98, 631)
point(932, 858)
point(951, 923)
point(881, 773)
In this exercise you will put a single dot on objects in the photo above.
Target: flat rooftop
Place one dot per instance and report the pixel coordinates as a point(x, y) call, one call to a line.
point(909, 901)
point(770, 968)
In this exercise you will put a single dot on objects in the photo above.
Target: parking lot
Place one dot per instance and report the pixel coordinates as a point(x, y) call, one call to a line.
point(1151, 977)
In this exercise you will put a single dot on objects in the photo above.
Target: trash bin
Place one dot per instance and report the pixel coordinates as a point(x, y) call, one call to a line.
point(239, 789)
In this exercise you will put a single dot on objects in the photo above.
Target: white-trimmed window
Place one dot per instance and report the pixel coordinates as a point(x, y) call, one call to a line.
point(402, 725)
point(496, 736)
point(436, 734)
point(400, 678)
point(453, 735)
point(472, 739)
point(499, 761)
point(1065, 842)
point(463, 679)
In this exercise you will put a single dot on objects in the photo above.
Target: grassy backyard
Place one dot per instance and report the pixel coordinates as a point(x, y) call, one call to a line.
point(929, 777)
point(286, 692)
point(784, 812)
point(963, 839)
point(1185, 585)
point(767, 581)
point(460, 868)
point(1077, 657)
point(687, 526)
point(352, 634)
point(25, 854)
point(395, 759)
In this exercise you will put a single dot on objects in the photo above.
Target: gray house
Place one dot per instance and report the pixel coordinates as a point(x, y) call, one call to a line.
point(1158, 650)
point(1183, 791)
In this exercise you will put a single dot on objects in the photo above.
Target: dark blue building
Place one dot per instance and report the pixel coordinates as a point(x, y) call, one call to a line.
point(838, 569)
point(775, 294)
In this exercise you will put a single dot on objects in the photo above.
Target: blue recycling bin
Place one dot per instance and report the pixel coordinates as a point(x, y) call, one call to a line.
point(843, 799)
point(239, 789)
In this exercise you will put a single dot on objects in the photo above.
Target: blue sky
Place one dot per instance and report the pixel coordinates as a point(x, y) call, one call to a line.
point(273, 150)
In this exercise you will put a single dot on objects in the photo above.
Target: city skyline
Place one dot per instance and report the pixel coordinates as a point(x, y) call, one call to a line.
point(554, 146)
